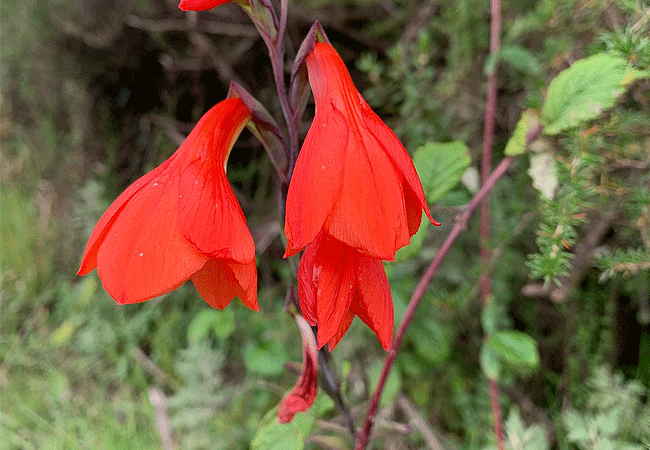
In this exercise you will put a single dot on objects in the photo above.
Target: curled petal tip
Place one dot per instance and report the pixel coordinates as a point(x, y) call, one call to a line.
point(303, 394)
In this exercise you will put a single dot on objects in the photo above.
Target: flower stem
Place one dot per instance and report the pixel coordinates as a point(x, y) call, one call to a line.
point(276, 54)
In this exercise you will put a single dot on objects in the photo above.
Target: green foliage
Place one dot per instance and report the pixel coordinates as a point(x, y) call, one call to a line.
point(562, 214)
point(615, 416)
point(272, 435)
point(393, 383)
point(440, 166)
point(221, 323)
point(582, 92)
point(76, 369)
point(406, 79)
point(623, 262)
point(518, 436)
point(515, 349)
point(517, 143)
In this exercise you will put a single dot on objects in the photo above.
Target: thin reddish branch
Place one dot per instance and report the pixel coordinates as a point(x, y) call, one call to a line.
point(418, 294)
point(484, 233)
point(486, 155)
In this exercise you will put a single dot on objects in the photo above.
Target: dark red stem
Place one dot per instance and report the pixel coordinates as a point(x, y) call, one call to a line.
point(488, 133)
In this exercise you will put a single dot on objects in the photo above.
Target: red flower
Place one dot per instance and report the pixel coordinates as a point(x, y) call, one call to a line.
point(353, 178)
point(180, 221)
point(337, 282)
point(200, 5)
point(303, 394)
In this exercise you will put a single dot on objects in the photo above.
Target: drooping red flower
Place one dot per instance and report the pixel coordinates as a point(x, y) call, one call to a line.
point(353, 178)
point(180, 221)
point(200, 5)
point(337, 282)
point(303, 394)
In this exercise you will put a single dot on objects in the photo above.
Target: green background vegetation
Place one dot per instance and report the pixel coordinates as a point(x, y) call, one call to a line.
point(95, 93)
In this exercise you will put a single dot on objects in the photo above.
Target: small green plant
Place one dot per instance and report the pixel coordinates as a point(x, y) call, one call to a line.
point(614, 415)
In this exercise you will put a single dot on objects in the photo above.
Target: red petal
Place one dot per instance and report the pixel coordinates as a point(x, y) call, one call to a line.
point(373, 303)
point(316, 181)
point(210, 216)
point(306, 287)
point(370, 214)
point(143, 254)
point(334, 279)
point(375, 212)
point(303, 394)
point(343, 328)
point(219, 282)
point(394, 148)
point(200, 5)
point(89, 259)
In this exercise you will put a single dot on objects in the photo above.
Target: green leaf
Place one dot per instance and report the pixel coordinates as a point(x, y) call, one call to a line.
point(272, 435)
point(440, 166)
point(62, 334)
point(489, 317)
point(221, 323)
point(432, 341)
point(517, 143)
point(515, 348)
point(576, 426)
point(489, 361)
point(522, 437)
point(521, 59)
point(584, 90)
point(265, 358)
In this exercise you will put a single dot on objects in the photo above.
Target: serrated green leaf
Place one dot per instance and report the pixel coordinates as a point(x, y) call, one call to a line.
point(515, 348)
point(519, 436)
point(440, 166)
point(517, 143)
point(489, 361)
point(584, 90)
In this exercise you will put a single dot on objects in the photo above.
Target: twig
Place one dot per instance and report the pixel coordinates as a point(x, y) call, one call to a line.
point(148, 365)
point(418, 422)
point(159, 403)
